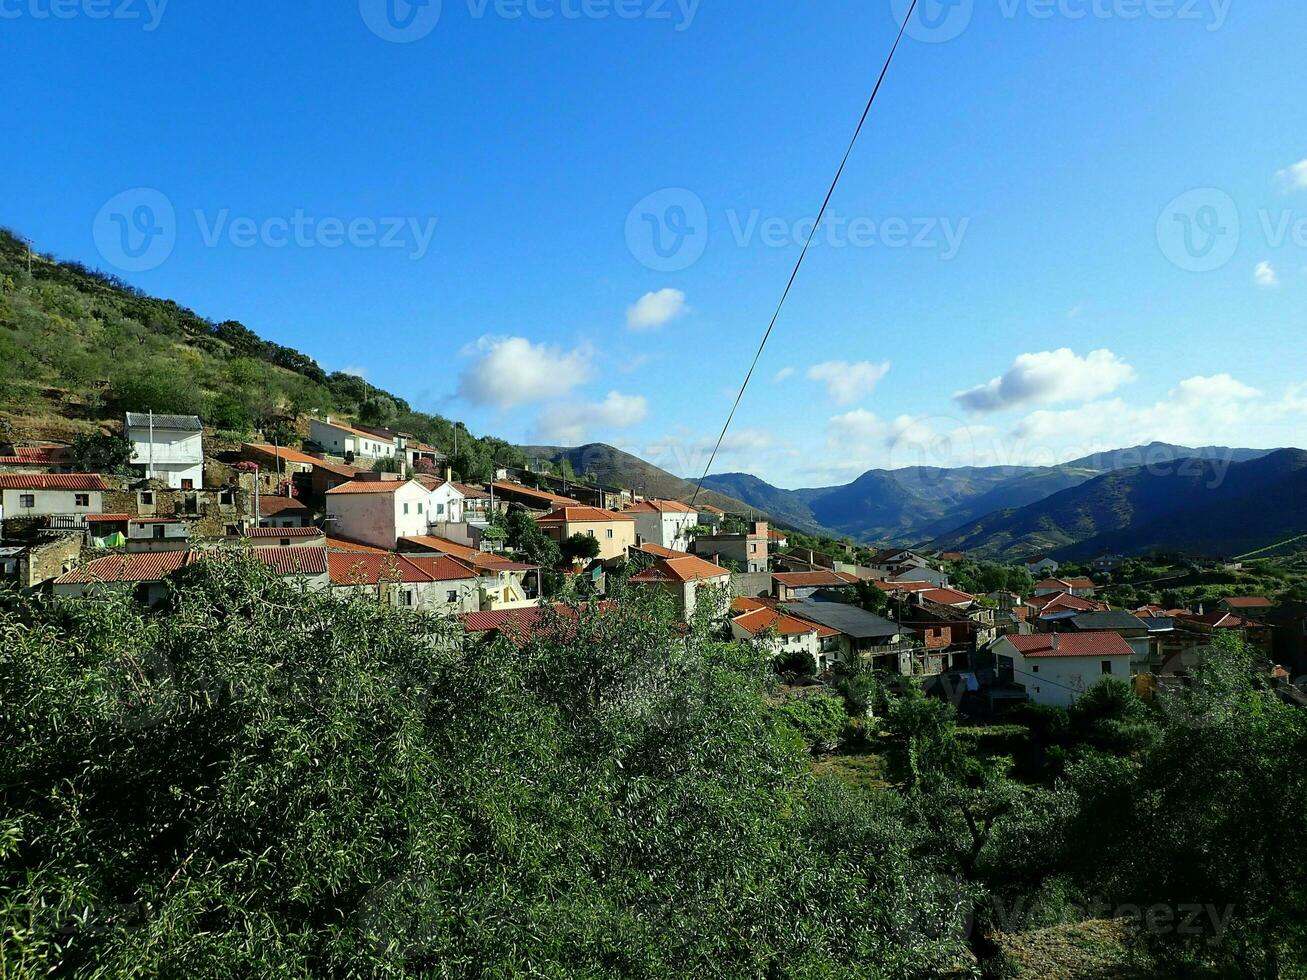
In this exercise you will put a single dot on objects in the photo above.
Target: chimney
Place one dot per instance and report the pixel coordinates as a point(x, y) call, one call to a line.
point(329, 420)
point(1057, 641)
point(449, 474)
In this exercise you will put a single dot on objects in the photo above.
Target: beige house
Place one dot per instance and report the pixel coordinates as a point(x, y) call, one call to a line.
point(683, 578)
point(614, 532)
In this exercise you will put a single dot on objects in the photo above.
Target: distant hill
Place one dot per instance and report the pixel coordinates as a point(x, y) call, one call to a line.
point(1196, 506)
point(917, 504)
point(607, 464)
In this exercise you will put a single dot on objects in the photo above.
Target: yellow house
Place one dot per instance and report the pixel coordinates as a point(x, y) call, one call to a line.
point(614, 532)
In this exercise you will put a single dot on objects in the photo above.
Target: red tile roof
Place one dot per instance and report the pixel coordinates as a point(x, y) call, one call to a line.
point(544, 496)
point(293, 561)
point(776, 535)
point(339, 469)
point(281, 452)
point(762, 620)
point(1062, 601)
point(522, 625)
point(356, 547)
point(283, 532)
point(745, 604)
point(1095, 644)
point(583, 515)
point(36, 456)
point(687, 569)
point(813, 580)
point(1248, 602)
point(143, 567)
point(361, 568)
point(370, 486)
point(52, 481)
point(270, 505)
point(658, 551)
point(468, 555)
point(909, 587)
point(109, 518)
point(661, 507)
point(947, 597)
point(1217, 620)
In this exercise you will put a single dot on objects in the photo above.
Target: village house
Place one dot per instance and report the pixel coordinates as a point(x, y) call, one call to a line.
point(43, 557)
point(1045, 611)
point(1246, 605)
point(349, 442)
point(896, 561)
point(781, 633)
point(860, 636)
point(504, 584)
point(1056, 668)
point(1071, 586)
point(144, 575)
point(503, 493)
point(378, 512)
point(276, 511)
point(685, 578)
point(286, 537)
point(747, 551)
point(791, 586)
point(43, 458)
point(168, 448)
point(1041, 565)
point(434, 584)
point(327, 476)
point(1126, 625)
point(778, 538)
point(710, 516)
point(664, 522)
point(614, 532)
point(446, 503)
point(43, 498)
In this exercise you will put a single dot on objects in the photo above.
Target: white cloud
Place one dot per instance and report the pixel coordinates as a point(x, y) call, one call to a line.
point(357, 372)
point(510, 371)
point(1293, 177)
point(1264, 275)
point(654, 310)
point(845, 382)
point(783, 373)
point(1049, 377)
point(570, 424)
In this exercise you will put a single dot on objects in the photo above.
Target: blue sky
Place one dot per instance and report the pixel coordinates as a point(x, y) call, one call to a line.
point(1004, 277)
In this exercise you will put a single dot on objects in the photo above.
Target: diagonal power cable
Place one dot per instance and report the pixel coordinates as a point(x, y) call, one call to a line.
point(803, 254)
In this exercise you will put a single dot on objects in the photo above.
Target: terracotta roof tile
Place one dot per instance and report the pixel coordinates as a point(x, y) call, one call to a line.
point(1072, 645)
point(583, 515)
point(52, 481)
point(813, 580)
point(687, 569)
point(369, 486)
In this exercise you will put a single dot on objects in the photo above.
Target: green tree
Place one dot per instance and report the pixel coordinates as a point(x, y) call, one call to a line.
point(110, 454)
point(580, 547)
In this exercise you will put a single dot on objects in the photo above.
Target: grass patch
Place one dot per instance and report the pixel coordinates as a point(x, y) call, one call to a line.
point(863, 770)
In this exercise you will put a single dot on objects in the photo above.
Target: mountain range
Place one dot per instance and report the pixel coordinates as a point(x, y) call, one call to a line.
point(915, 505)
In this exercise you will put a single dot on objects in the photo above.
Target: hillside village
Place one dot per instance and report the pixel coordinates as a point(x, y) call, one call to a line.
point(360, 509)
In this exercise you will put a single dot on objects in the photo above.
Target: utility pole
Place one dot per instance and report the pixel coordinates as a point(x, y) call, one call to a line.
point(149, 473)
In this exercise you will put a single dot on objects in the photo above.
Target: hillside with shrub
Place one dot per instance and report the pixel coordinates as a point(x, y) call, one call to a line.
point(79, 347)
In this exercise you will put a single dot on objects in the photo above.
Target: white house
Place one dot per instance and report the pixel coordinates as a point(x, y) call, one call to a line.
point(664, 522)
point(341, 439)
point(446, 500)
point(783, 634)
point(50, 495)
point(378, 512)
point(423, 583)
point(1056, 668)
point(1042, 565)
point(167, 447)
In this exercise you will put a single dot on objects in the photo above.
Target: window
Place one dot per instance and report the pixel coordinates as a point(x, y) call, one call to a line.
point(610, 532)
point(590, 533)
point(1107, 666)
point(419, 508)
point(158, 532)
point(226, 498)
point(81, 500)
point(406, 599)
point(27, 500)
point(406, 508)
point(1034, 669)
point(451, 596)
point(753, 549)
point(188, 484)
point(440, 508)
point(147, 498)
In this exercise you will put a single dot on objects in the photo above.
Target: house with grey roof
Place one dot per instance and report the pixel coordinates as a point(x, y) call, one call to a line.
point(167, 447)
